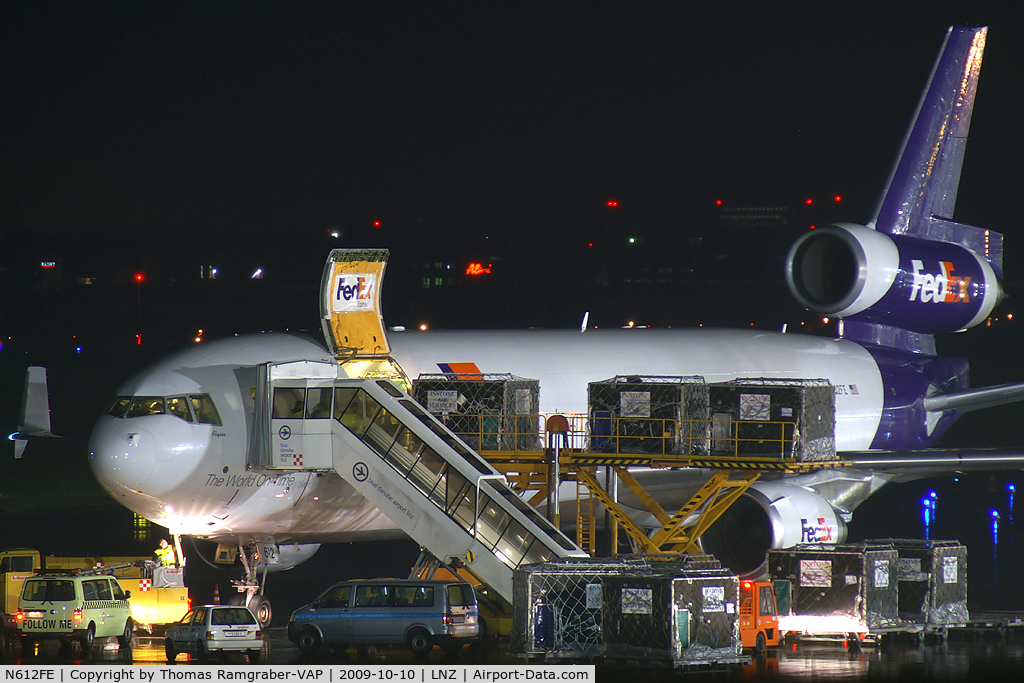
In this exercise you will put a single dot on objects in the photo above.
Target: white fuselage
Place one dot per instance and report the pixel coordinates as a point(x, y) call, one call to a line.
point(566, 361)
point(192, 477)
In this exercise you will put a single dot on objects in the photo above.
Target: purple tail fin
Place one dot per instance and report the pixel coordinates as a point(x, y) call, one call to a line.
point(926, 176)
point(912, 271)
point(920, 196)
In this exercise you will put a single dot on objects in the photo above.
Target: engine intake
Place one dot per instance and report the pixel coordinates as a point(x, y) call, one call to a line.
point(771, 516)
point(851, 271)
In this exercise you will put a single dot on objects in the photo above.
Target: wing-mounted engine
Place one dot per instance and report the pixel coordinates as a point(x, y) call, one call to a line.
point(907, 282)
point(770, 516)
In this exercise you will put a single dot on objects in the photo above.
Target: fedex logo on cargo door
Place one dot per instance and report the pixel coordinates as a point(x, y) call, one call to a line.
point(941, 287)
point(353, 292)
point(816, 533)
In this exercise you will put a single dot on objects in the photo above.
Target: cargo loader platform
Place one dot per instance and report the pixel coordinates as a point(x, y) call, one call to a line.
point(740, 455)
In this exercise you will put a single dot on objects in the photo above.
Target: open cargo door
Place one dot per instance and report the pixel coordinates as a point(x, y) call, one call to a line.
point(350, 303)
point(351, 317)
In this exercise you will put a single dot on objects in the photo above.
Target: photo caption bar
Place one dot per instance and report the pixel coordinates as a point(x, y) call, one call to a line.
point(415, 673)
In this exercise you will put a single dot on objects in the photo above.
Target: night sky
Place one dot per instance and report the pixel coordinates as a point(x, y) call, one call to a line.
point(511, 120)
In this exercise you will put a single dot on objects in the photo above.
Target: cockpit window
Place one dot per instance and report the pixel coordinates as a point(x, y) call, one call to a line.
point(119, 406)
point(178, 405)
point(199, 405)
point(146, 405)
point(206, 412)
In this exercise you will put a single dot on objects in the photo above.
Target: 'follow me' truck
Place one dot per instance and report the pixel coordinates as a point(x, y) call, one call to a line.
point(159, 595)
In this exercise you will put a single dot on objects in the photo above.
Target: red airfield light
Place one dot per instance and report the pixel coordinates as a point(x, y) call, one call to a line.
point(613, 203)
point(718, 202)
point(138, 277)
point(808, 201)
point(838, 198)
point(376, 224)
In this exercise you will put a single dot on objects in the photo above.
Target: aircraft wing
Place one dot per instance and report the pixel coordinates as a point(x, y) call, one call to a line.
point(975, 399)
point(905, 466)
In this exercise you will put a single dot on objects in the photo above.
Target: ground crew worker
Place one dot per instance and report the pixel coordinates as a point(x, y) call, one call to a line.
point(165, 553)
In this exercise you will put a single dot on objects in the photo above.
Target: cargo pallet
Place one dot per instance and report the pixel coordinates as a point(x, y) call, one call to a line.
point(1002, 623)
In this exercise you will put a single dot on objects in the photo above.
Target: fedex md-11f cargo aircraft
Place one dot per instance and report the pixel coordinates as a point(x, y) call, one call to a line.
point(196, 443)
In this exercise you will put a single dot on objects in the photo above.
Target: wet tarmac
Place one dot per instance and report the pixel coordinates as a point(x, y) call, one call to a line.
point(976, 656)
point(973, 656)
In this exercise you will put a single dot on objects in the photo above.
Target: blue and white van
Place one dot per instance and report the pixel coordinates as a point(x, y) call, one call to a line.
point(420, 614)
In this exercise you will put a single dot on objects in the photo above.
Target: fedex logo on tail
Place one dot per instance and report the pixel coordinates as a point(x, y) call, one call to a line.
point(816, 533)
point(941, 287)
point(353, 292)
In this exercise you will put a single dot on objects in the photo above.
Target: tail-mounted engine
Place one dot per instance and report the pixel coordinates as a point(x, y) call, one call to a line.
point(921, 285)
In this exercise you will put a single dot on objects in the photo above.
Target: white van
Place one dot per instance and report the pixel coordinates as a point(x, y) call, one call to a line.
point(420, 614)
point(73, 607)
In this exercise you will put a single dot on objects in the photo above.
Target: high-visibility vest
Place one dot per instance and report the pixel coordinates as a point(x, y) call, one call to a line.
point(166, 556)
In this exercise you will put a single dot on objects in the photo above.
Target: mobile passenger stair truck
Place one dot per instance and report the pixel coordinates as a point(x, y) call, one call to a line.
point(158, 597)
point(673, 612)
point(392, 451)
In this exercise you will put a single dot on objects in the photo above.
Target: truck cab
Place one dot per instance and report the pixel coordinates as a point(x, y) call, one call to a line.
point(759, 618)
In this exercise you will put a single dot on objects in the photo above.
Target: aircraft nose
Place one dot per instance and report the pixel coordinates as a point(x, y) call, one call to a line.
point(123, 457)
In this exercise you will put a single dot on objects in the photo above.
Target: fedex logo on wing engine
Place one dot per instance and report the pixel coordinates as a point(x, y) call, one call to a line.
point(816, 533)
point(941, 287)
point(353, 292)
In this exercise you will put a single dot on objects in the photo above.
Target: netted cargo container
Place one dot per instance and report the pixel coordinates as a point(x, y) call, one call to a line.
point(681, 615)
point(932, 583)
point(647, 414)
point(836, 589)
point(670, 609)
point(490, 412)
point(786, 418)
point(556, 606)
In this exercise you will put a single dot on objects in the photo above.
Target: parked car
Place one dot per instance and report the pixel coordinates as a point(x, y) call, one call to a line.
point(215, 630)
point(365, 612)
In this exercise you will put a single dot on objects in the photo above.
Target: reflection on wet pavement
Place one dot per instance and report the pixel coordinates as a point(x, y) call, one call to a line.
point(961, 657)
